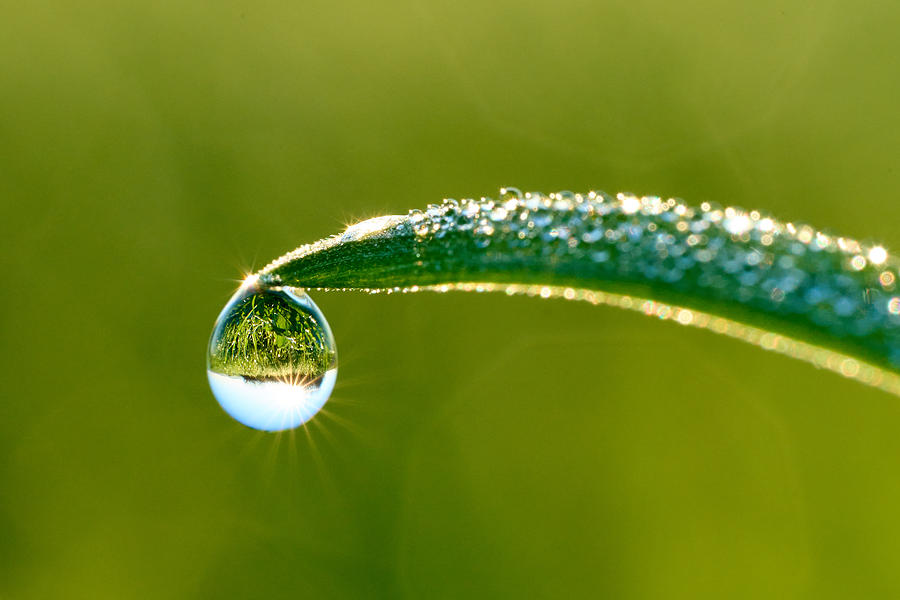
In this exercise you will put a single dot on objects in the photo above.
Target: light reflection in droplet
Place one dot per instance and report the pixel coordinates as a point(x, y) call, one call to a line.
point(271, 405)
point(272, 361)
point(893, 305)
point(878, 255)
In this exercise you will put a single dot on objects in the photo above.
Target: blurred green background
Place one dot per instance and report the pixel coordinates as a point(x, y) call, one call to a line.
point(476, 446)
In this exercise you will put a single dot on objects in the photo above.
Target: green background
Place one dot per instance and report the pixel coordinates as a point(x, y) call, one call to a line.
point(476, 445)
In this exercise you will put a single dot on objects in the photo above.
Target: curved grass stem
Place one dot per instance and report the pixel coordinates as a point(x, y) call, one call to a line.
point(786, 287)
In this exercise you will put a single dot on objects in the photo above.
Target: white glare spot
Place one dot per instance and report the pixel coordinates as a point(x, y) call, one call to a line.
point(878, 255)
point(738, 224)
point(630, 204)
point(271, 405)
point(370, 227)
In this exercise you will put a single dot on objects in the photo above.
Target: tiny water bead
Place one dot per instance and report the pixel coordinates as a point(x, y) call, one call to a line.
point(272, 360)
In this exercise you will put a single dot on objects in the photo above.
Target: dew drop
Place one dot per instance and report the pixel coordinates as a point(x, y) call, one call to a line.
point(511, 193)
point(272, 361)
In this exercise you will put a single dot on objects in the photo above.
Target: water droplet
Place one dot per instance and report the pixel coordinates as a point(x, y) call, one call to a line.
point(416, 216)
point(499, 214)
point(738, 224)
point(630, 204)
point(878, 255)
point(511, 193)
point(272, 361)
point(893, 305)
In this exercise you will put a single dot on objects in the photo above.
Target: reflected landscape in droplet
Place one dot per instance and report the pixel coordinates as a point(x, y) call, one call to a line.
point(272, 360)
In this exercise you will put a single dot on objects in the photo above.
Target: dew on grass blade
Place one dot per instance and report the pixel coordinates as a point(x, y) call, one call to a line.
point(829, 300)
point(272, 361)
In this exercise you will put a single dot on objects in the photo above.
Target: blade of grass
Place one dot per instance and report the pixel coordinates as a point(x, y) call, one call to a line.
point(789, 288)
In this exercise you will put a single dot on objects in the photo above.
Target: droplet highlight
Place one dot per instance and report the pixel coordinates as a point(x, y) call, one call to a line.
point(272, 360)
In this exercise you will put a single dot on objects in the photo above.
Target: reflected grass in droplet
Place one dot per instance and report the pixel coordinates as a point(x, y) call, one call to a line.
point(272, 360)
